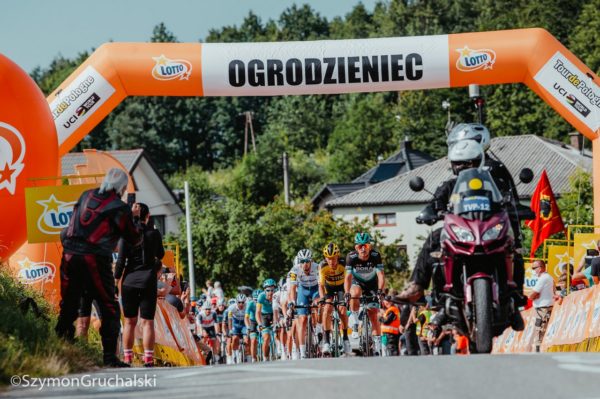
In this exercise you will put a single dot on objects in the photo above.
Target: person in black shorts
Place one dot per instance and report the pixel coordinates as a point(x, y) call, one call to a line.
point(137, 267)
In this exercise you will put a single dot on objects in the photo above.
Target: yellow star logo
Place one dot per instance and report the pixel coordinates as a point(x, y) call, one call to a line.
point(162, 60)
point(465, 51)
point(589, 245)
point(51, 204)
point(25, 263)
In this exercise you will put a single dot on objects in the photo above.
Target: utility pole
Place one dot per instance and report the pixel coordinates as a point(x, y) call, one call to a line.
point(286, 179)
point(188, 225)
point(248, 126)
point(479, 102)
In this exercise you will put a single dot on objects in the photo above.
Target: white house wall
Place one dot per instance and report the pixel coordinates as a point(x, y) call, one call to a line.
point(153, 193)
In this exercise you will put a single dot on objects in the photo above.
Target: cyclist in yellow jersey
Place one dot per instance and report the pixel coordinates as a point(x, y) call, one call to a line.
point(332, 272)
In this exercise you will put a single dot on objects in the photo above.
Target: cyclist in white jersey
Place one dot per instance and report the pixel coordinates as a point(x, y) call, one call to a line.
point(304, 291)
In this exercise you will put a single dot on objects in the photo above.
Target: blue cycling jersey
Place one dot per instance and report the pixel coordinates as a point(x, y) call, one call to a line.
point(267, 306)
point(251, 310)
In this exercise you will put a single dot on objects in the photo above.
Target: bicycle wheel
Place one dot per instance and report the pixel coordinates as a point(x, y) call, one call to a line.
point(309, 338)
point(336, 334)
point(366, 333)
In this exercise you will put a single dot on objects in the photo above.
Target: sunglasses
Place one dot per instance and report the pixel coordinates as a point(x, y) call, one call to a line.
point(241, 303)
point(305, 260)
point(361, 246)
point(269, 290)
point(535, 268)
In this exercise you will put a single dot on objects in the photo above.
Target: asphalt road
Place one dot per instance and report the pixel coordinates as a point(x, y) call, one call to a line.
point(568, 376)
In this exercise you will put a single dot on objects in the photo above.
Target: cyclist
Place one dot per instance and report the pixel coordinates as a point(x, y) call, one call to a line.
point(279, 304)
point(304, 289)
point(207, 319)
point(221, 325)
point(365, 276)
point(236, 315)
point(264, 315)
point(251, 325)
point(332, 273)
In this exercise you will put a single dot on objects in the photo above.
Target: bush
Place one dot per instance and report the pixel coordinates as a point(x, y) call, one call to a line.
point(28, 343)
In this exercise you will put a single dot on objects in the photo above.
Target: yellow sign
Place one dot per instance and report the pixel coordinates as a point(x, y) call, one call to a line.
point(582, 242)
point(475, 184)
point(558, 257)
point(49, 210)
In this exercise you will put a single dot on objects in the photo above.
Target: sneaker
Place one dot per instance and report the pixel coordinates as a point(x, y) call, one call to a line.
point(326, 348)
point(115, 363)
point(516, 321)
point(347, 348)
point(294, 355)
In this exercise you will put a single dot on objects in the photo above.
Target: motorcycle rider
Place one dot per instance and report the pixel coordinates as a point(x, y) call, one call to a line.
point(422, 273)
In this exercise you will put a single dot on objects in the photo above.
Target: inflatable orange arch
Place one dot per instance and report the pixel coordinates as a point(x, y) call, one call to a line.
point(530, 56)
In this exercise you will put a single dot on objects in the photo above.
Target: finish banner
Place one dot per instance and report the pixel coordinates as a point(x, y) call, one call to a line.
point(49, 210)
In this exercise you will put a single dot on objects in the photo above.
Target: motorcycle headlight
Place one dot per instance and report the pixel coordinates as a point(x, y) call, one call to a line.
point(493, 233)
point(462, 234)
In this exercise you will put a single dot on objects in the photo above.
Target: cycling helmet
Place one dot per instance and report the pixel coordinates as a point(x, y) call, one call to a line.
point(231, 302)
point(304, 255)
point(470, 131)
point(464, 155)
point(331, 250)
point(221, 302)
point(241, 298)
point(206, 305)
point(256, 293)
point(362, 238)
point(269, 283)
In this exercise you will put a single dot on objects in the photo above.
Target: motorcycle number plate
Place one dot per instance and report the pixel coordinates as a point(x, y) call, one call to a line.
point(476, 204)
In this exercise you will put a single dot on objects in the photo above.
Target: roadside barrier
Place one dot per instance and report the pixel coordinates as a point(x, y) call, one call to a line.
point(573, 327)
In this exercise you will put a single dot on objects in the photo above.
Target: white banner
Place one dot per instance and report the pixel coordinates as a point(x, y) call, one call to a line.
point(572, 88)
point(78, 101)
point(324, 67)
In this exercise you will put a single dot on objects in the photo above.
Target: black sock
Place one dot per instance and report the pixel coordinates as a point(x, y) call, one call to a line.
point(320, 337)
point(345, 334)
point(327, 336)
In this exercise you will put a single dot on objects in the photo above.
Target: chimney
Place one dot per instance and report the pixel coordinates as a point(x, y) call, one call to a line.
point(576, 140)
point(407, 144)
point(406, 147)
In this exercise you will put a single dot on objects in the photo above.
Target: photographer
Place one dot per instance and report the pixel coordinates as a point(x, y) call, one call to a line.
point(136, 268)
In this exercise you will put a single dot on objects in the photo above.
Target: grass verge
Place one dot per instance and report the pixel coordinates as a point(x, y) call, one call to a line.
point(28, 343)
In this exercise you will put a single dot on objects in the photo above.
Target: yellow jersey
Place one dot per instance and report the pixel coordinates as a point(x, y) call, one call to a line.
point(332, 276)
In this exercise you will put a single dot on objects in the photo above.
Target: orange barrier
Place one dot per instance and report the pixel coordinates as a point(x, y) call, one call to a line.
point(174, 343)
point(574, 326)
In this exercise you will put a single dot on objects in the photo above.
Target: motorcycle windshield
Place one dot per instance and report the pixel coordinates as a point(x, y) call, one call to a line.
point(475, 195)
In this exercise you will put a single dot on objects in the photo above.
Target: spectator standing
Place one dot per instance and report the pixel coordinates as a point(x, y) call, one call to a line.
point(209, 289)
point(391, 327)
point(99, 219)
point(218, 291)
point(461, 342)
point(136, 268)
point(543, 300)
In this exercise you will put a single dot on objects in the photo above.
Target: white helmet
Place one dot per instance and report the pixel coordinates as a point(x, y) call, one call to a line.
point(241, 298)
point(464, 155)
point(304, 254)
point(470, 131)
point(221, 302)
point(206, 305)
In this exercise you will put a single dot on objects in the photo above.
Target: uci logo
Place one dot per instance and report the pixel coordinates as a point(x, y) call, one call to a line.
point(166, 69)
point(472, 60)
point(56, 215)
point(12, 153)
point(32, 272)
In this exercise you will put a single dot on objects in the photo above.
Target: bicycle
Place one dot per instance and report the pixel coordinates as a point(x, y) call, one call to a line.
point(336, 345)
point(312, 344)
point(272, 348)
point(367, 302)
point(222, 348)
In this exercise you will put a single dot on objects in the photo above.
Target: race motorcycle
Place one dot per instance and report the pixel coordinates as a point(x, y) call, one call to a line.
point(476, 258)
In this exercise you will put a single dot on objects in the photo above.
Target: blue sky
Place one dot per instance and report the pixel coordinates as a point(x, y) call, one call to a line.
point(33, 32)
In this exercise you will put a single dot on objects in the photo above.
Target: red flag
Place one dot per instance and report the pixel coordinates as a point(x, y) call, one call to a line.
point(547, 215)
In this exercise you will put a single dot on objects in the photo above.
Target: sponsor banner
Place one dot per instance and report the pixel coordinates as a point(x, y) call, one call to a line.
point(474, 59)
point(572, 88)
point(330, 66)
point(168, 69)
point(558, 257)
point(12, 153)
point(582, 242)
point(78, 101)
point(49, 210)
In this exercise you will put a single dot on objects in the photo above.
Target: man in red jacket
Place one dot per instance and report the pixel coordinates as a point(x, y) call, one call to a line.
point(99, 219)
